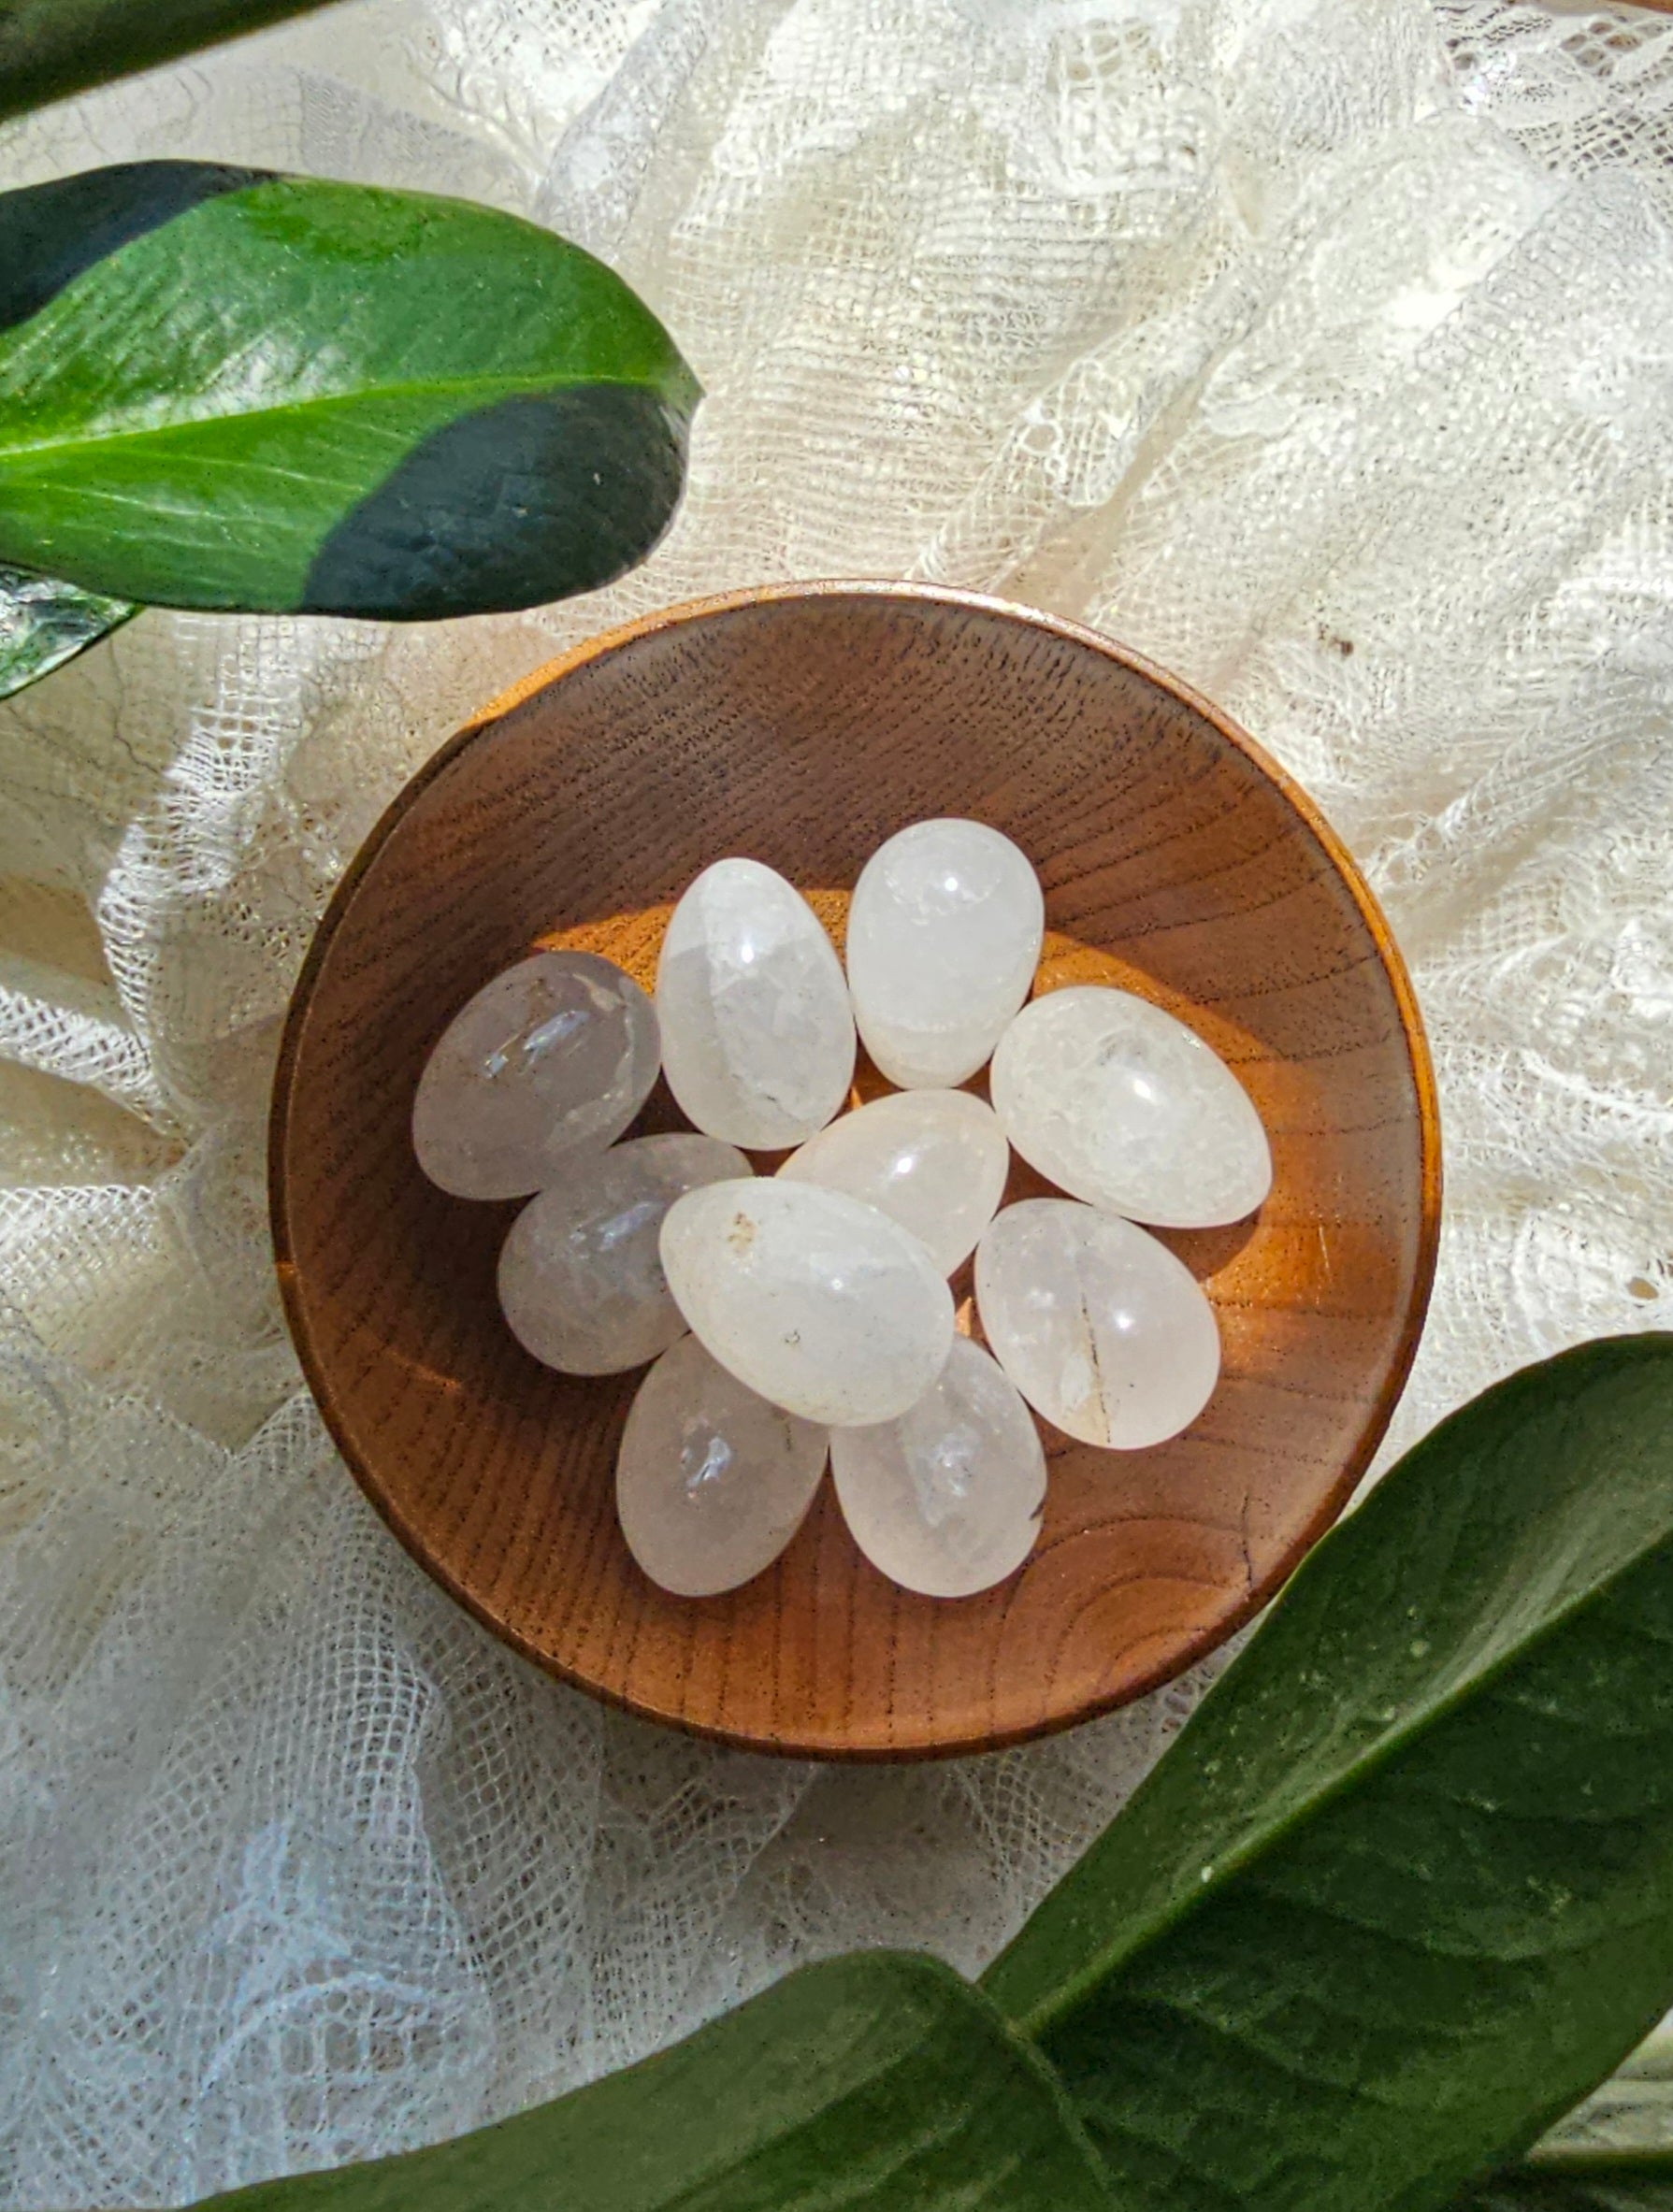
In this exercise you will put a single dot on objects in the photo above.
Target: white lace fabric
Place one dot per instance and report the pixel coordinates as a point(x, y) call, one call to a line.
point(1318, 348)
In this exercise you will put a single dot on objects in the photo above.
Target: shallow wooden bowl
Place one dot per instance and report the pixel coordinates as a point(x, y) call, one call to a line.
point(803, 724)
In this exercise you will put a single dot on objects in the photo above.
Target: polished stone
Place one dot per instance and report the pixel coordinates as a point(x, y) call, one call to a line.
point(758, 1036)
point(711, 1481)
point(936, 1161)
point(818, 1302)
point(1098, 1326)
point(581, 1279)
point(554, 1058)
point(1121, 1105)
point(943, 937)
point(946, 1499)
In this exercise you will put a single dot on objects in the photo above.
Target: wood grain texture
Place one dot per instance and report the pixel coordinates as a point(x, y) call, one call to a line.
point(802, 725)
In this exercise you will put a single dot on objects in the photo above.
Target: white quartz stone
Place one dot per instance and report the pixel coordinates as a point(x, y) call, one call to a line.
point(758, 1036)
point(1125, 1107)
point(1098, 1326)
point(552, 1058)
point(936, 1161)
point(818, 1302)
point(943, 937)
point(711, 1481)
point(581, 1279)
point(945, 1500)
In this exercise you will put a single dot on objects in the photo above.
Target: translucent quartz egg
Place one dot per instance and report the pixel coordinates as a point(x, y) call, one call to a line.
point(555, 1057)
point(947, 1499)
point(581, 1280)
point(1099, 1327)
point(944, 936)
point(758, 1036)
point(1125, 1107)
point(711, 1481)
point(936, 1161)
point(816, 1301)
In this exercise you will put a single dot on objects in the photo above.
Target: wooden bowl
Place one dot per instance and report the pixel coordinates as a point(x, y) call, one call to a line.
point(803, 724)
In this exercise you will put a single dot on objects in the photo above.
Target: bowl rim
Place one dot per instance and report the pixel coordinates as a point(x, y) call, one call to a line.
point(1414, 1037)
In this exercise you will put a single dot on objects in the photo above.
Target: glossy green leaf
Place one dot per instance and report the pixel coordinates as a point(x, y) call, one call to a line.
point(281, 395)
point(51, 233)
point(44, 622)
point(1580, 2181)
point(1403, 1889)
point(50, 48)
point(875, 2083)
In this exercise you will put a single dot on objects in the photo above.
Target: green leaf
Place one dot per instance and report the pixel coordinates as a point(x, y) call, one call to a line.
point(289, 395)
point(50, 48)
point(50, 233)
point(1580, 2181)
point(44, 622)
point(875, 2083)
point(1403, 1889)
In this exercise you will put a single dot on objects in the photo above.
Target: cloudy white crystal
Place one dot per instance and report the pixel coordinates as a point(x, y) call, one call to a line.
point(1123, 1106)
point(1098, 1326)
point(936, 1161)
point(711, 1481)
point(757, 1035)
point(554, 1058)
point(945, 1500)
point(943, 937)
point(580, 1281)
point(816, 1301)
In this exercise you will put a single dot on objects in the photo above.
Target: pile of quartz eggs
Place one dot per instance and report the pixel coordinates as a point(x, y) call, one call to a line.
point(806, 1315)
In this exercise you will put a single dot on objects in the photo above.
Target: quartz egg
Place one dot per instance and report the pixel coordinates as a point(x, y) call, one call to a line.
point(946, 1499)
point(936, 1161)
point(813, 1299)
point(1098, 1326)
point(581, 1279)
point(944, 936)
point(757, 1035)
point(1123, 1106)
point(711, 1481)
point(552, 1058)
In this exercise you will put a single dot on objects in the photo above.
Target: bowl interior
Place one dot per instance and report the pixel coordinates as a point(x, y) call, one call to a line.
point(802, 726)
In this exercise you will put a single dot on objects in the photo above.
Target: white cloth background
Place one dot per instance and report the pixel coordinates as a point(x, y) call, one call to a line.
point(1319, 347)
